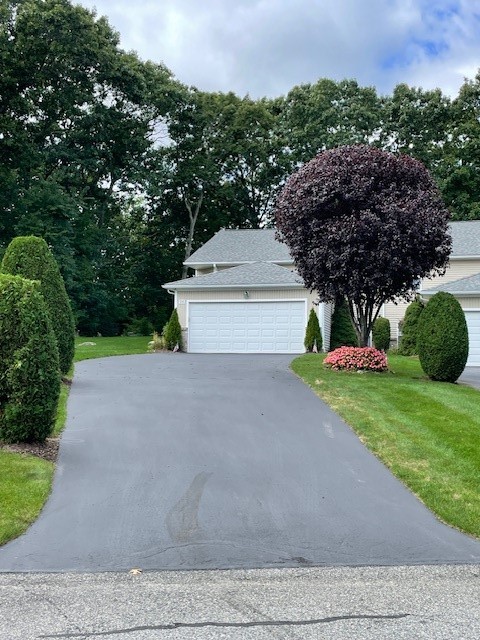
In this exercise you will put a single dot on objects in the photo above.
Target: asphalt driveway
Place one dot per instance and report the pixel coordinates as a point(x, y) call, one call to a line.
point(182, 461)
point(471, 376)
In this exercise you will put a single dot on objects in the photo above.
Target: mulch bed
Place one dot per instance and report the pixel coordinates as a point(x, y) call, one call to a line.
point(48, 450)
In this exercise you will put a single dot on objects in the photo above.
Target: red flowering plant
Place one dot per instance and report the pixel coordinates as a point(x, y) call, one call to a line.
point(357, 359)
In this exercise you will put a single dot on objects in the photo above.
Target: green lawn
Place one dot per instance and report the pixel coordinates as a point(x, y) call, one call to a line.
point(25, 481)
point(427, 433)
point(103, 347)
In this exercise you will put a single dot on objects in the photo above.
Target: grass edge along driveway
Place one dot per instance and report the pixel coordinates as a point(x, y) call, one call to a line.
point(26, 480)
point(427, 433)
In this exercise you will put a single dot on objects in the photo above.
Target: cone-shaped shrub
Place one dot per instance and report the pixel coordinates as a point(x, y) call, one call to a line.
point(172, 334)
point(313, 333)
point(30, 257)
point(342, 332)
point(408, 341)
point(381, 334)
point(29, 370)
point(443, 338)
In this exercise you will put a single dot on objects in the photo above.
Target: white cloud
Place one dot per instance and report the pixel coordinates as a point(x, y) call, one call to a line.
point(265, 47)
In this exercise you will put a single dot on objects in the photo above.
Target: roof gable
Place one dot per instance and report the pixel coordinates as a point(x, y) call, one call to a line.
point(469, 286)
point(257, 274)
point(236, 246)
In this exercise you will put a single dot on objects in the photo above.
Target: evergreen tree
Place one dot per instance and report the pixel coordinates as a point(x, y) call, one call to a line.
point(30, 257)
point(313, 333)
point(342, 332)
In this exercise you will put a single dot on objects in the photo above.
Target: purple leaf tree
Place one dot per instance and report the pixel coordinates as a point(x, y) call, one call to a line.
point(364, 225)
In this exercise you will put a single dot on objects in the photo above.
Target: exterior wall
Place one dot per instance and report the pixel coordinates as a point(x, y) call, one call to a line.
point(457, 269)
point(469, 303)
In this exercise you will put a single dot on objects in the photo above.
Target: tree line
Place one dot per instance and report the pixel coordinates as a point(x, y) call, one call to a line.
point(124, 170)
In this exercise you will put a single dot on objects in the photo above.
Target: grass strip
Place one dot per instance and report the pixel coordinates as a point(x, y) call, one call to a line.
point(24, 487)
point(427, 433)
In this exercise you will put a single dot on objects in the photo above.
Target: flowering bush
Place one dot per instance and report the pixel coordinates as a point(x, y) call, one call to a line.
point(357, 359)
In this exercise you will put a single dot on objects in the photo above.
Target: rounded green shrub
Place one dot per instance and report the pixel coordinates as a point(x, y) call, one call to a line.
point(29, 368)
point(172, 333)
point(443, 338)
point(381, 334)
point(342, 331)
point(30, 257)
point(408, 341)
point(313, 333)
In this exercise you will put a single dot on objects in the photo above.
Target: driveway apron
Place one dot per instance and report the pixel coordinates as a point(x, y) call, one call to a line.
point(183, 461)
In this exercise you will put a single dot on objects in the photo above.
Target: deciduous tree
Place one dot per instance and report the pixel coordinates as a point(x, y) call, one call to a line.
point(363, 224)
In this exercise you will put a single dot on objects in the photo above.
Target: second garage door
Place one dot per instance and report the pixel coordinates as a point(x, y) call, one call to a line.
point(473, 324)
point(247, 327)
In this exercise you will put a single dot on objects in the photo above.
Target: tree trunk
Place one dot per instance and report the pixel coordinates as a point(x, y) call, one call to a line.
point(193, 217)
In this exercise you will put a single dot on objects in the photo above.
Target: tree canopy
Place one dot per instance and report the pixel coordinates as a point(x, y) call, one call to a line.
point(363, 224)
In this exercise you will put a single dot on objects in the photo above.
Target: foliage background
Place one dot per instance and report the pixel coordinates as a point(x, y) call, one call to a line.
point(124, 170)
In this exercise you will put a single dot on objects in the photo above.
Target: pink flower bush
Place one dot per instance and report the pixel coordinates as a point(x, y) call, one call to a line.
point(357, 359)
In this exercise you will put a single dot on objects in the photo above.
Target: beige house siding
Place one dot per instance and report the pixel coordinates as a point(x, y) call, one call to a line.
point(458, 268)
point(469, 303)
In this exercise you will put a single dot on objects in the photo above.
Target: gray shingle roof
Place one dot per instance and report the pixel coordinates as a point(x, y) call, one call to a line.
point(241, 245)
point(233, 246)
point(465, 238)
point(245, 275)
point(469, 285)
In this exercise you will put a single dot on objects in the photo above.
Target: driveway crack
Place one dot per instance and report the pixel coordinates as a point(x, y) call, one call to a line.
point(227, 625)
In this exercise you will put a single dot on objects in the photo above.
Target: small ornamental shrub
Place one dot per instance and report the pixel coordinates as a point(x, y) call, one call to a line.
point(313, 333)
point(357, 359)
point(29, 369)
point(30, 257)
point(157, 343)
point(443, 338)
point(342, 332)
point(172, 333)
point(381, 334)
point(408, 341)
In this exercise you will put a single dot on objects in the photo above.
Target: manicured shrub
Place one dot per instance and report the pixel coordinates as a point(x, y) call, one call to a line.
point(381, 334)
point(443, 338)
point(313, 333)
point(357, 359)
point(29, 368)
point(408, 341)
point(342, 332)
point(30, 257)
point(172, 333)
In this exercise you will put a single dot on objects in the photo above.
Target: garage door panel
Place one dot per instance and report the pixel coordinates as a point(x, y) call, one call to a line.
point(473, 324)
point(247, 327)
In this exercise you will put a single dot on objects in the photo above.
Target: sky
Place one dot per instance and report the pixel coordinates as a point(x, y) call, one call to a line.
point(266, 47)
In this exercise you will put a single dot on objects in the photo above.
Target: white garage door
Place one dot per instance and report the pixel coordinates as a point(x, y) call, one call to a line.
point(246, 327)
point(473, 324)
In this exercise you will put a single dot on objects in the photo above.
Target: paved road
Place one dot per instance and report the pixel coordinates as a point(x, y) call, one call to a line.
point(471, 376)
point(182, 461)
point(402, 603)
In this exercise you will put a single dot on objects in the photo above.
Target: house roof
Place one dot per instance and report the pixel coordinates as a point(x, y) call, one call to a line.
point(469, 286)
point(237, 246)
point(234, 246)
point(254, 275)
point(465, 238)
